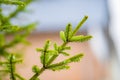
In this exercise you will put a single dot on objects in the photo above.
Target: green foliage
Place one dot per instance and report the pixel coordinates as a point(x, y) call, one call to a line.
point(19, 34)
point(80, 38)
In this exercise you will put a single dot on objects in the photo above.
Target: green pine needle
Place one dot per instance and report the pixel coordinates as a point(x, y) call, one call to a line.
point(79, 25)
point(80, 38)
point(75, 58)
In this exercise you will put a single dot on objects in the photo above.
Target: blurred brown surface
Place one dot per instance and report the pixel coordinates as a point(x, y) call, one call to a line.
point(88, 69)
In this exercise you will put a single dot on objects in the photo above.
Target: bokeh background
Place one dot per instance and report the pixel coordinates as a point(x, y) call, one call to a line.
point(102, 53)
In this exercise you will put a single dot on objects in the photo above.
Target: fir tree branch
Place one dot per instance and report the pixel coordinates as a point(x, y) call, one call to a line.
point(13, 2)
point(67, 36)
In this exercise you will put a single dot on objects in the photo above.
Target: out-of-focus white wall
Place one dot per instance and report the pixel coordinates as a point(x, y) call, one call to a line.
point(114, 30)
point(115, 23)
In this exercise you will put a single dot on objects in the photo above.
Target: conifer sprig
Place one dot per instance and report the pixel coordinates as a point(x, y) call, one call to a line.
point(48, 55)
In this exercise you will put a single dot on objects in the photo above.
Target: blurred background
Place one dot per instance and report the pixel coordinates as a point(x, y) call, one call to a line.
point(102, 53)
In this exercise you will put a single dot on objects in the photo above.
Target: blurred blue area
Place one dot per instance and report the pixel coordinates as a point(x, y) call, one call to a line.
point(53, 15)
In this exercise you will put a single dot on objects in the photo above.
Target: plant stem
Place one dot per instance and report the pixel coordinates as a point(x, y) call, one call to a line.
point(44, 59)
point(37, 74)
point(12, 77)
